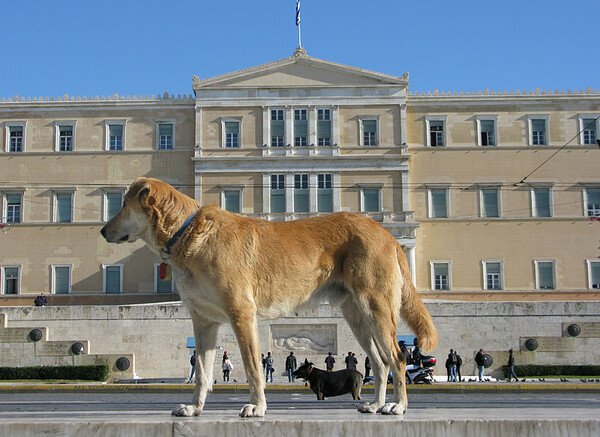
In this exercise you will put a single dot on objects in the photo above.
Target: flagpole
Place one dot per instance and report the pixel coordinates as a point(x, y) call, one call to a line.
point(299, 36)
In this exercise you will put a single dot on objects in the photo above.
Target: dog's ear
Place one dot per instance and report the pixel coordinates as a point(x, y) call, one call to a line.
point(145, 190)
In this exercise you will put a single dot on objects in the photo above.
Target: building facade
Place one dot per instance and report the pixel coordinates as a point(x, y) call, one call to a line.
point(454, 177)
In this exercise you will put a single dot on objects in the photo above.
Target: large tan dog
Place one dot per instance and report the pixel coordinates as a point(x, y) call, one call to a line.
point(230, 268)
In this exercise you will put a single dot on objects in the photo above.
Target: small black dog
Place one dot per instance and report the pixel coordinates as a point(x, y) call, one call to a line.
point(326, 384)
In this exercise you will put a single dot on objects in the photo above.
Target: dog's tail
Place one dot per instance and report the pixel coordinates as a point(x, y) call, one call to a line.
point(413, 310)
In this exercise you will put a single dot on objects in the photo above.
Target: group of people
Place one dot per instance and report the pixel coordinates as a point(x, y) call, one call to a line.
point(226, 366)
point(453, 364)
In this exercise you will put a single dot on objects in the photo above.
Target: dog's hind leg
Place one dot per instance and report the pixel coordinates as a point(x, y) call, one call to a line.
point(358, 324)
point(243, 321)
point(205, 333)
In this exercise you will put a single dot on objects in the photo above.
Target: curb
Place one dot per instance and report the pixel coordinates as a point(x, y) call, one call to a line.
point(235, 388)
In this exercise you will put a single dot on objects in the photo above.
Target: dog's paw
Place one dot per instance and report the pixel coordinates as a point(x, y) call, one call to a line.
point(392, 408)
point(367, 407)
point(251, 410)
point(186, 411)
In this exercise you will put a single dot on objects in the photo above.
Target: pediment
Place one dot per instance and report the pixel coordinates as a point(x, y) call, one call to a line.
point(300, 72)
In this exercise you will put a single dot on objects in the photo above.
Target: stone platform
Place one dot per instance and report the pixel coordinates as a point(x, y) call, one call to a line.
point(425, 422)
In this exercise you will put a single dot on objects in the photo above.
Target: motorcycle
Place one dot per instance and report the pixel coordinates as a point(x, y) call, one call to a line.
point(414, 374)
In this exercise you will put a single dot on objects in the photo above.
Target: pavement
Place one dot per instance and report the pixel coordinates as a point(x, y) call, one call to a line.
point(325, 422)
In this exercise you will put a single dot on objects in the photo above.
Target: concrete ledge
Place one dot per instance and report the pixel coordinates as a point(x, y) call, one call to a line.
point(531, 422)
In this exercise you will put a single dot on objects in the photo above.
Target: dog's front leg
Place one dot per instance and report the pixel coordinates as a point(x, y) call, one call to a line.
point(243, 321)
point(205, 333)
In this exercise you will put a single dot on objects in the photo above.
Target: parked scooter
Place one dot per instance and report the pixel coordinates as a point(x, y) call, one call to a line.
point(414, 374)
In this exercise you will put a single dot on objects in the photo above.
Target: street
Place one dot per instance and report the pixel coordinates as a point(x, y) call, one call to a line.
point(165, 402)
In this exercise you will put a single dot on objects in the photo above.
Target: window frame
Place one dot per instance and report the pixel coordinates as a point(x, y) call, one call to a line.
point(271, 189)
point(482, 211)
point(53, 277)
point(537, 262)
point(304, 191)
point(321, 190)
point(530, 119)
point(232, 188)
point(157, 278)
point(306, 119)
point(323, 119)
point(3, 278)
point(589, 263)
point(586, 204)
point(365, 187)
point(158, 123)
point(534, 213)
point(107, 125)
point(55, 194)
point(106, 192)
point(432, 264)
point(283, 137)
point(104, 270)
point(58, 124)
point(481, 118)
point(436, 118)
point(430, 208)
point(5, 205)
point(7, 130)
point(582, 126)
point(484, 267)
point(224, 122)
point(362, 132)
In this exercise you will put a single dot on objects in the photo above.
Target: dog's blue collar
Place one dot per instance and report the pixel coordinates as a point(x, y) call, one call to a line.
point(167, 250)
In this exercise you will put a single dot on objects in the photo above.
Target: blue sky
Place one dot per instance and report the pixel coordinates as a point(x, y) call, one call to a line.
point(134, 47)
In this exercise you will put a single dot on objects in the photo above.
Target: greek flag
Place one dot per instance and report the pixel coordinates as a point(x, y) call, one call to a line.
point(297, 12)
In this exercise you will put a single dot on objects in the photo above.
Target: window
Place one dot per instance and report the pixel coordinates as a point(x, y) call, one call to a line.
point(63, 207)
point(371, 200)
point(490, 202)
point(538, 128)
point(277, 128)
point(541, 199)
point(436, 134)
point(64, 140)
point(61, 279)
point(589, 130)
point(161, 285)
point(545, 278)
point(115, 134)
point(592, 201)
point(323, 127)
point(324, 193)
point(438, 202)
point(166, 136)
point(369, 132)
point(113, 278)
point(300, 128)
point(232, 134)
point(14, 206)
point(113, 201)
point(15, 137)
point(231, 200)
point(492, 275)
point(487, 131)
point(277, 193)
point(593, 273)
point(440, 275)
point(11, 279)
point(301, 193)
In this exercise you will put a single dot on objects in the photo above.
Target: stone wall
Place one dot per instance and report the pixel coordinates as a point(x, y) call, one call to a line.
point(156, 334)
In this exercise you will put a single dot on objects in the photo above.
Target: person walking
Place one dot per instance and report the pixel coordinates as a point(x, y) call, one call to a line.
point(367, 366)
point(448, 364)
point(329, 362)
point(269, 362)
point(459, 363)
point(227, 368)
point(480, 361)
point(511, 366)
point(290, 366)
point(193, 369)
point(350, 361)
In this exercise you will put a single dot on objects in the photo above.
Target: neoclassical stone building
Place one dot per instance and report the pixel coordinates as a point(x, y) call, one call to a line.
point(489, 193)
